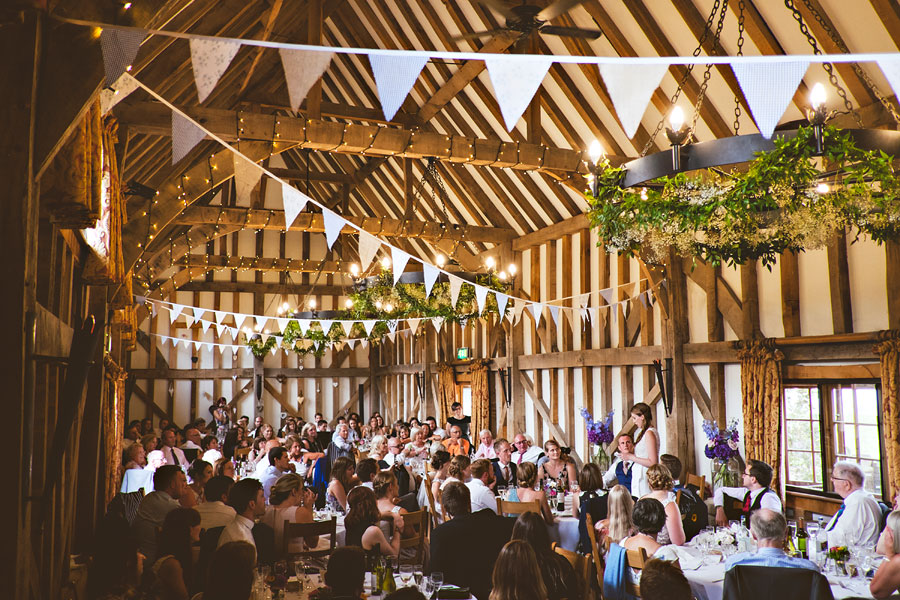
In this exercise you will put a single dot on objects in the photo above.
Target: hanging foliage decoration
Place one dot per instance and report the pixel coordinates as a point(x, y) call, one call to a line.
point(772, 206)
point(408, 301)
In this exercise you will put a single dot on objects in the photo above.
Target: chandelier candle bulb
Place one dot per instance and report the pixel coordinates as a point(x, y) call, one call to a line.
point(595, 152)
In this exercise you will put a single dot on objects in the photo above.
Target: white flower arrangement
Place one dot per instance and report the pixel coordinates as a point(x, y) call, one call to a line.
point(722, 537)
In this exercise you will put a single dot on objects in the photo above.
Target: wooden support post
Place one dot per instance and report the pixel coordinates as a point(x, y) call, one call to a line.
point(892, 267)
point(374, 380)
point(839, 284)
point(680, 425)
point(259, 379)
point(750, 301)
point(790, 294)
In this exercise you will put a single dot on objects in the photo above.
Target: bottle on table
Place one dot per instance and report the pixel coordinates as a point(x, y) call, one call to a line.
point(560, 495)
point(388, 585)
point(802, 540)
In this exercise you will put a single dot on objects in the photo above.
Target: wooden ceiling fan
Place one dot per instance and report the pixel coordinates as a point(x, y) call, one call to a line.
point(527, 18)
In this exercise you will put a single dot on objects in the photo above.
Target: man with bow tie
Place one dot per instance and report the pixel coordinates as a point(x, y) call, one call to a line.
point(754, 495)
point(620, 471)
point(856, 523)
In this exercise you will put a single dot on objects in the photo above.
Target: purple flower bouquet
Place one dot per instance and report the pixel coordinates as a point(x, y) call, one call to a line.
point(599, 433)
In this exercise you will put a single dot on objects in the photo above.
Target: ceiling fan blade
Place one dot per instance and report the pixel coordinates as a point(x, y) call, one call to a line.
point(500, 7)
point(557, 8)
point(476, 35)
point(591, 34)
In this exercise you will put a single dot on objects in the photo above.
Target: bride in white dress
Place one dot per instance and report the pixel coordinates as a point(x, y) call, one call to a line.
point(646, 449)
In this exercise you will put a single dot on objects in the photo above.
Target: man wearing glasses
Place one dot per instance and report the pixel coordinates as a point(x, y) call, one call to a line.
point(525, 452)
point(754, 495)
point(856, 521)
point(393, 454)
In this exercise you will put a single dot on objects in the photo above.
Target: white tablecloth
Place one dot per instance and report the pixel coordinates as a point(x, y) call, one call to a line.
point(317, 582)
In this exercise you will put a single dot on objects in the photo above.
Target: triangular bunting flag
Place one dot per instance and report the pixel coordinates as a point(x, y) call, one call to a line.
point(368, 248)
point(768, 89)
point(197, 345)
point(630, 88)
point(347, 326)
point(399, 258)
point(220, 315)
point(392, 325)
point(210, 58)
point(501, 299)
point(368, 325)
point(303, 324)
point(234, 332)
point(119, 47)
point(585, 315)
point(395, 75)
point(536, 308)
point(333, 225)
point(293, 201)
point(220, 330)
point(189, 318)
point(607, 295)
point(518, 307)
point(584, 299)
point(643, 298)
point(352, 343)
point(302, 69)
point(198, 312)
point(246, 176)
point(891, 70)
point(515, 80)
point(282, 324)
point(430, 275)
point(438, 322)
point(205, 325)
point(392, 336)
point(554, 312)
point(594, 312)
point(455, 286)
point(260, 321)
point(413, 324)
point(174, 312)
point(112, 95)
point(480, 297)
point(326, 325)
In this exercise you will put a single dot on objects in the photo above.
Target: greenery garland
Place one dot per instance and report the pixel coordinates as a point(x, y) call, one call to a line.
point(408, 301)
point(772, 206)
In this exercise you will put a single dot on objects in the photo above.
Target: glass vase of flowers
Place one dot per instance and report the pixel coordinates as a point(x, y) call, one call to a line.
point(599, 434)
point(838, 555)
point(722, 448)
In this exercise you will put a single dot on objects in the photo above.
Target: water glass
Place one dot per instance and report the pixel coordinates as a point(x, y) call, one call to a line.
point(417, 573)
point(406, 574)
point(427, 588)
point(437, 578)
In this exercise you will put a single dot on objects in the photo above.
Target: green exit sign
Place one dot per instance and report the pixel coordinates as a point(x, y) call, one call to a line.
point(462, 354)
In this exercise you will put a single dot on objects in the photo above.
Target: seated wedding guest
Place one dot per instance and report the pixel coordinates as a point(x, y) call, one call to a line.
point(209, 449)
point(456, 445)
point(169, 485)
point(132, 434)
point(590, 502)
point(290, 501)
point(214, 512)
point(461, 420)
point(378, 450)
point(887, 578)
point(192, 441)
point(116, 566)
point(173, 570)
point(224, 466)
point(362, 521)
point(673, 464)
point(295, 454)
point(755, 494)
point(199, 473)
point(857, 521)
point(437, 434)
point(663, 580)
point(557, 467)
point(458, 470)
point(525, 451)
point(312, 449)
point(618, 524)
point(649, 518)
point(418, 447)
point(371, 429)
point(486, 446)
point(393, 452)
point(480, 485)
point(267, 432)
point(365, 472)
point(525, 492)
point(246, 498)
point(440, 464)
point(504, 468)
point(134, 457)
point(340, 446)
point(231, 572)
point(150, 442)
point(452, 552)
point(620, 471)
point(146, 426)
point(279, 464)
point(346, 573)
point(516, 574)
point(768, 528)
point(355, 429)
point(173, 455)
point(387, 489)
point(557, 572)
point(262, 463)
point(341, 483)
point(660, 481)
point(135, 479)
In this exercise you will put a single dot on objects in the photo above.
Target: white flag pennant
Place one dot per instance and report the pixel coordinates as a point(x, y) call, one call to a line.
point(210, 58)
point(585, 315)
point(352, 343)
point(240, 319)
point(189, 318)
point(413, 324)
point(395, 75)
point(115, 93)
point(220, 330)
point(220, 315)
point(303, 324)
point(185, 135)
point(536, 309)
point(594, 313)
point(120, 47)
point(392, 325)
point(302, 69)
point(246, 176)
point(234, 332)
point(607, 294)
point(430, 275)
point(368, 325)
point(326, 325)
point(368, 248)
point(502, 300)
point(891, 70)
point(261, 321)
point(399, 258)
point(333, 225)
point(293, 201)
point(630, 88)
point(174, 311)
point(197, 345)
point(455, 286)
point(554, 312)
point(769, 89)
point(480, 297)
point(204, 325)
point(584, 299)
point(438, 322)
point(392, 336)
point(515, 81)
point(282, 324)
point(347, 326)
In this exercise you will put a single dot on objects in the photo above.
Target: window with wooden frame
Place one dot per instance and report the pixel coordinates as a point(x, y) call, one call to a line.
point(824, 422)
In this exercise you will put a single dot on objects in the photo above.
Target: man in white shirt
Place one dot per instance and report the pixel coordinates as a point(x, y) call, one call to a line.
point(620, 471)
point(856, 521)
point(173, 455)
point(192, 439)
point(263, 464)
point(170, 483)
point(479, 487)
point(246, 498)
point(279, 464)
point(525, 452)
point(755, 494)
point(214, 512)
point(393, 454)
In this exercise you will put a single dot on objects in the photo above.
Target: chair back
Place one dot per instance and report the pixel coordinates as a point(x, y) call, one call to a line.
point(595, 548)
point(242, 452)
point(209, 540)
point(697, 481)
point(505, 507)
point(743, 582)
point(635, 559)
point(431, 505)
point(419, 521)
point(292, 531)
point(582, 566)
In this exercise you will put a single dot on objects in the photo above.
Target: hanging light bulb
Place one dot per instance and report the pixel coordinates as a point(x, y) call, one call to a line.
point(489, 262)
point(440, 260)
point(677, 134)
point(817, 115)
point(378, 304)
point(676, 118)
point(817, 96)
point(595, 152)
point(386, 262)
point(354, 270)
point(501, 275)
point(312, 303)
point(388, 307)
point(512, 269)
point(823, 188)
point(285, 306)
point(348, 304)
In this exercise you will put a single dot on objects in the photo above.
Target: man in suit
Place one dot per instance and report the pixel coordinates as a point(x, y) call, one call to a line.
point(504, 467)
point(620, 471)
point(453, 552)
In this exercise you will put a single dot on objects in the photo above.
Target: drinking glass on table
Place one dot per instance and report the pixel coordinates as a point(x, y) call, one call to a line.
point(406, 574)
point(427, 587)
point(417, 573)
point(437, 578)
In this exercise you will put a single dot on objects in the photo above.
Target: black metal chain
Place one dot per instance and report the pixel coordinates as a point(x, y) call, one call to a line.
point(740, 52)
point(708, 72)
point(687, 73)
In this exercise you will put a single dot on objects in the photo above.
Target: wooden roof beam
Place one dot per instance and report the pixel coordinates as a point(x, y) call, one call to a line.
point(281, 265)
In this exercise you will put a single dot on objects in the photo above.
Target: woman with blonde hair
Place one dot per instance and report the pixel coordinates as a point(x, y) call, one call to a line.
point(659, 478)
point(526, 477)
point(646, 449)
point(290, 501)
point(517, 575)
point(618, 524)
point(557, 467)
point(417, 448)
point(887, 577)
point(458, 470)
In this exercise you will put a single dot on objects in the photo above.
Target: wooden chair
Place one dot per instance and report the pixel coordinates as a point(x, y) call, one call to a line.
point(595, 549)
point(292, 531)
point(635, 559)
point(582, 566)
point(419, 521)
point(241, 453)
point(698, 481)
point(505, 507)
point(431, 505)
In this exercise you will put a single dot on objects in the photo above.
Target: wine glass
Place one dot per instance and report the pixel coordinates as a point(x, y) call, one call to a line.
point(406, 574)
point(427, 587)
point(437, 577)
point(417, 573)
